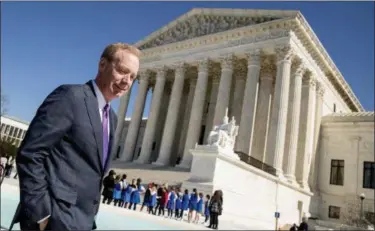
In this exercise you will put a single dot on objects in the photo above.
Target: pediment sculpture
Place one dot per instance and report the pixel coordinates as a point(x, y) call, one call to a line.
point(224, 135)
point(200, 25)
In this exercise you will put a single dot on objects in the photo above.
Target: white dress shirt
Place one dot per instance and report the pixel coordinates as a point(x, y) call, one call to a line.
point(101, 103)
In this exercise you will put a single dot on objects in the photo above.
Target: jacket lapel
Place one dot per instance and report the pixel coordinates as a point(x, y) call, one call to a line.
point(92, 108)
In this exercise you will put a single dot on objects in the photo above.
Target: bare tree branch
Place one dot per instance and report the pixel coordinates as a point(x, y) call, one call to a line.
point(352, 213)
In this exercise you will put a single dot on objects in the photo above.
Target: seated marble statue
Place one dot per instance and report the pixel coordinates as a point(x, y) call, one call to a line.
point(224, 135)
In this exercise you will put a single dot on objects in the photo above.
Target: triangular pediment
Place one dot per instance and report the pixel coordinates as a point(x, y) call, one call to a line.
point(203, 21)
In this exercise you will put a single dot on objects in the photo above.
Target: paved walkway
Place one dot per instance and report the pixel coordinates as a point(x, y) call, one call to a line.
point(110, 217)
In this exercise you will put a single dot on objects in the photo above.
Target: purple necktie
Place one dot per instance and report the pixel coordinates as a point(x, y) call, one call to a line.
point(105, 133)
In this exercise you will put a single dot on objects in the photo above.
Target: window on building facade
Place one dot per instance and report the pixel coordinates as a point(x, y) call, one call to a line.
point(15, 132)
point(337, 172)
point(369, 174)
point(6, 129)
point(334, 107)
point(334, 212)
point(11, 131)
point(19, 134)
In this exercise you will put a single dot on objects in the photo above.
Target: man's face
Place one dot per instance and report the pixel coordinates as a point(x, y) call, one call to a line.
point(118, 75)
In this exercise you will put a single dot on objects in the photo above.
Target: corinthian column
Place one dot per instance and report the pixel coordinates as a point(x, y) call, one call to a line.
point(152, 121)
point(263, 109)
point(306, 130)
point(212, 102)
point(313, 178)
point(181, 146)
point(223, 96)
point(131, 137)
point(298, 70)
point(121, 114)
point(172, 114)
point(276, 136)
point(243, 143)
point(239, 88)
point(196, 113)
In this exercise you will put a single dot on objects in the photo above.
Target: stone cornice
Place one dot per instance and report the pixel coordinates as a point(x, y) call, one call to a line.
point(267, 31)
point(349, 117)
point(324, 61)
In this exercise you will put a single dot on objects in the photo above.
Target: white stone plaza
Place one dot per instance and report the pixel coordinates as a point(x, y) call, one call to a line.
point(296, 116)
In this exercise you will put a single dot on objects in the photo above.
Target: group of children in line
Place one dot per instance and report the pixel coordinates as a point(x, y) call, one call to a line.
point(157, 199)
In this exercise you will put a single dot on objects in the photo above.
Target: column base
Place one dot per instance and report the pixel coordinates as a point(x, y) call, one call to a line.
point(183, 165)
point(291, 179)
point(280, 175)
point(141, 161)
point(305, 186)
point(159, 163)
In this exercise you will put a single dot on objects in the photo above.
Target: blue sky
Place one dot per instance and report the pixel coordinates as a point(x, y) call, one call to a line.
point(45, 44)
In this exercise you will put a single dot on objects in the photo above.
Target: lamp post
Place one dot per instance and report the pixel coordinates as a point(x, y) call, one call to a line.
point(362, 196)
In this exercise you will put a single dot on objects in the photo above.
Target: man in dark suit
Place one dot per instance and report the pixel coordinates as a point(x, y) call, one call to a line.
point(65, 153)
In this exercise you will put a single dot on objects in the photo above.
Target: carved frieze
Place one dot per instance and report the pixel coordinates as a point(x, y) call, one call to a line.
point(280, 33)
point(200, 25)
point(273, 34)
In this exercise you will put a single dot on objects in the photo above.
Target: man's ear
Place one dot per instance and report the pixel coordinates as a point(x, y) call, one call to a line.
point(102, 64)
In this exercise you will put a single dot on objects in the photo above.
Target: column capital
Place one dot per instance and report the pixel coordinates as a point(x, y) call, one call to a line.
point(298, 67)
point(144, 75)
point(253, 57)
point(320, 89)
point(309, 80)
point(178, 65)
point(226, 62)
point(161, 71)
point(179, 68)
point(284, 53)
point(203, 65)
point(268, 68)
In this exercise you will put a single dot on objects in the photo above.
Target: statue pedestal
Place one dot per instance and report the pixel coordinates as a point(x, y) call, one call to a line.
point(251, 196)
point(205, 163)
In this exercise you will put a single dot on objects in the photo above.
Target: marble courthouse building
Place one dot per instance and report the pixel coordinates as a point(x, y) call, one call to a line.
point(266, 68)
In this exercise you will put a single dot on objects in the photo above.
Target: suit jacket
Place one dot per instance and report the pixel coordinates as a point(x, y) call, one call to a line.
point(60, 161)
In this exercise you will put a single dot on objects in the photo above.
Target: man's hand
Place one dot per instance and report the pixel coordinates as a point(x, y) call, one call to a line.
point(43, 225)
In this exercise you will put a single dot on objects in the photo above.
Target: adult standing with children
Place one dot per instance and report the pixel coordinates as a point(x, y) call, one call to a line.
point(216, 208)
